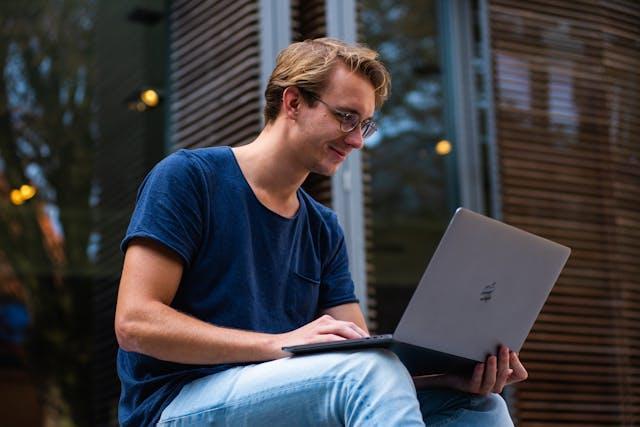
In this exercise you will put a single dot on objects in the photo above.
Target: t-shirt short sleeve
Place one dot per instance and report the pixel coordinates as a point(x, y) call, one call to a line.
point(169, 206)
point(337, 285)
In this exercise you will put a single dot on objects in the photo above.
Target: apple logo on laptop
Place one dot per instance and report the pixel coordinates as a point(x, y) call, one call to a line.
point(487, 292)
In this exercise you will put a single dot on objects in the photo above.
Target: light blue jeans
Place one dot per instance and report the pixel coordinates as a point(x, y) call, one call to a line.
point(363, 388)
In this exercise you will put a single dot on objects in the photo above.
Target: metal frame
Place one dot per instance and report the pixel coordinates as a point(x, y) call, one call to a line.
point(346, 184)
point(460, 116)
point(275, 35)
point(492, 140)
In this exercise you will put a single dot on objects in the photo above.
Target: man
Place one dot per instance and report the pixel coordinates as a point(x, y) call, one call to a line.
point(227, 260)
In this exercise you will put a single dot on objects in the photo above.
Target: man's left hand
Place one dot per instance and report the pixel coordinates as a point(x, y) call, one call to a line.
point(489, 377)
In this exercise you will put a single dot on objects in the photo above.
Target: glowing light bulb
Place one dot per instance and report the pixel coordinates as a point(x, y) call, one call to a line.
point(443, 147)
point(150, 98)
point(27, 191)
point(16, 197)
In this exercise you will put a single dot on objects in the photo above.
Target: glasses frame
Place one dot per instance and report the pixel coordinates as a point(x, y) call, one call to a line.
point(368, 127)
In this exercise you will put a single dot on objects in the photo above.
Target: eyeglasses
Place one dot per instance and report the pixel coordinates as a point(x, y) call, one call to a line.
point(349, 121)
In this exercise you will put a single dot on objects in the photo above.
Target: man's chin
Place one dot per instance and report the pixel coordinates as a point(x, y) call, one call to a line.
point(327, 171)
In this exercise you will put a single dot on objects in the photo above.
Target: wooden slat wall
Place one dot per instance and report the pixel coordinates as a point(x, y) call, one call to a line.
point(567, 102)
point(372, 297)
point(308, 19)
point(215, 55)
point(215, 72)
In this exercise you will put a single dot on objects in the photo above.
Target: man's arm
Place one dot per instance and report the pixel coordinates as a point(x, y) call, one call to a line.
point(145, 322)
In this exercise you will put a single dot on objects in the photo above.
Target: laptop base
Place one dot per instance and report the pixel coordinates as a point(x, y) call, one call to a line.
point(417, 360)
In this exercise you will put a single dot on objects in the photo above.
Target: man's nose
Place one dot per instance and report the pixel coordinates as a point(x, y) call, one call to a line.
point(355, 139)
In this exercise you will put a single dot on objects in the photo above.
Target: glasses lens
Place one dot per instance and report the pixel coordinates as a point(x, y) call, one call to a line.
point(368, 128)
point(349, 122)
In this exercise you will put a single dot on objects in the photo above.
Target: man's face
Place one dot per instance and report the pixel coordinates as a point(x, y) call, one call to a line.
point(324, 145)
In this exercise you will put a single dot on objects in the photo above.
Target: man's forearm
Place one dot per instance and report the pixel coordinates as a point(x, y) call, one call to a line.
point(167, 334)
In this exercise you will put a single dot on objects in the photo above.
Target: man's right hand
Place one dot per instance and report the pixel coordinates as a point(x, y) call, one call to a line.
point(323, 329)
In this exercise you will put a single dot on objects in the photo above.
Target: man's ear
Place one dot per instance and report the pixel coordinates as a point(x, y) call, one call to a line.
point(291, 102)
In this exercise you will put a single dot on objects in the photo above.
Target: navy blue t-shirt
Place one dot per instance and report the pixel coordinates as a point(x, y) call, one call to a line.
point(245, 266)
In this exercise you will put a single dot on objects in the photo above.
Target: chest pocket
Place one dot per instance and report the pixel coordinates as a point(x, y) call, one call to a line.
point(304, 292)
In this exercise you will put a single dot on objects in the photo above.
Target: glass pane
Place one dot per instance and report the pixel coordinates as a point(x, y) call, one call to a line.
point(411, 165)
point(74, 143)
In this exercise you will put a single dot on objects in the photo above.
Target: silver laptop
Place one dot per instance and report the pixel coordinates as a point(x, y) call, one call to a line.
point(484, 286)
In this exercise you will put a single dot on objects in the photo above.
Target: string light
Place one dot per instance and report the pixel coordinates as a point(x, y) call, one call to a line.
point(27, 191)
point(16, 197)
point(21, 195)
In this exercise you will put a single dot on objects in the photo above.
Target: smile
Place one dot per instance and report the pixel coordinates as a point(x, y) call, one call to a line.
point(341, 154)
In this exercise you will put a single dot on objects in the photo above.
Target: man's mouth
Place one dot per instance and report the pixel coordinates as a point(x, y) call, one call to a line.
point(340, 153)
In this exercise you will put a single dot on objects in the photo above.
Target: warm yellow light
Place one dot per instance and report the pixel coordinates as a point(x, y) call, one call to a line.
point(443, 147)
point(140, 107)
point(150, 98)
point(16, 197)
point(27, 191)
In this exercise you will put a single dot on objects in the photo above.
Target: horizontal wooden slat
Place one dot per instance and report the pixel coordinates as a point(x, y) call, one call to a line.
point(215, 94)
point(568, 122)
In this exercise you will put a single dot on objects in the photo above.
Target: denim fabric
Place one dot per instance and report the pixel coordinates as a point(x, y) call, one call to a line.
point(363, 388)
point(445, 407)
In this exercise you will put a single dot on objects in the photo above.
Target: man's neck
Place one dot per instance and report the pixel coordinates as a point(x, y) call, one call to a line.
point(272, 170)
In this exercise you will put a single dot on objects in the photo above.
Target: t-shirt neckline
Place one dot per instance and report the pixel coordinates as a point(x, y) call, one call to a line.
point(255, 198)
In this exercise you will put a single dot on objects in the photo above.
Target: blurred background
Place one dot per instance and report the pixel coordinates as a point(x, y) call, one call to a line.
point(525, 111)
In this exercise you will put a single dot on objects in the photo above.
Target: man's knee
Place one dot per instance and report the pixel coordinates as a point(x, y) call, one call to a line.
point(495, 407)
point(375, 359)
point(496, 402)
point(376, 364)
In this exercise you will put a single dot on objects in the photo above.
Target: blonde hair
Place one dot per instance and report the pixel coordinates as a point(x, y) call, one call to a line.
point(308, 65)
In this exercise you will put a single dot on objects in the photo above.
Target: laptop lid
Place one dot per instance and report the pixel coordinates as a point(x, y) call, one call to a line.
point(484, 286)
